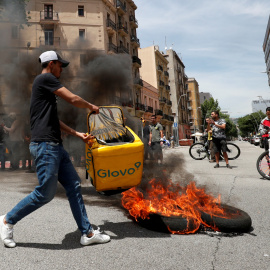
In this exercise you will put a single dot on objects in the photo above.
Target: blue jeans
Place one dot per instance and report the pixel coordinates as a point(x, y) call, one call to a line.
point(52, 165)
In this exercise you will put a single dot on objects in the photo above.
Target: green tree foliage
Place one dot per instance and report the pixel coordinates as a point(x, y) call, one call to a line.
point(14, 11)
point(208, 106)
point(250, 123)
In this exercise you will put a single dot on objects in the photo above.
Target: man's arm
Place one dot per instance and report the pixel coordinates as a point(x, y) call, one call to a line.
point(161, 135)
point(150, 138)
point(75, 100)
point(222, 126)
point(75, 133)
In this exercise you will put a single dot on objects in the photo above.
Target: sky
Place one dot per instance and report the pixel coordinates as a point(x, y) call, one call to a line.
point(220, 43)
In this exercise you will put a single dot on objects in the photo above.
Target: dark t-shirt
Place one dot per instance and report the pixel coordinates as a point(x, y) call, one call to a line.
point(43, 109)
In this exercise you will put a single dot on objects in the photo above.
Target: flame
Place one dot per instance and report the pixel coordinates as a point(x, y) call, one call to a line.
point(173, 200)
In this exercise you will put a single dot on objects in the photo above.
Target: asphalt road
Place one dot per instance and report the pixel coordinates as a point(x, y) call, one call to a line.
point(48, 238)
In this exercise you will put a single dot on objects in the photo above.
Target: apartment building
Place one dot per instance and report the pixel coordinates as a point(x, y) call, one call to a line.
point(266, 50)
point(194, 106)
point(150, 98)
point(179, 96)
point(85, 31)
point(154, 70)
point(205, 96)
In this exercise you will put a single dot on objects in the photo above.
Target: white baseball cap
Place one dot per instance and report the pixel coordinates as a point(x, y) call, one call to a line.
point(52, 56)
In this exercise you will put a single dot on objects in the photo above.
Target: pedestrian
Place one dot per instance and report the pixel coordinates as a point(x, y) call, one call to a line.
point(52, 161)
point(146, 134)
point(172, 141)
point(15, 140)
point(264, 129)
point(218, 126)
point(156, 133)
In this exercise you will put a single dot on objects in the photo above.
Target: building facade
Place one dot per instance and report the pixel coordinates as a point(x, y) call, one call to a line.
point(204, 96)
point(194, 106)
point(84, 32)
point(266, 50)
point(179, 96)
point(150, 101)
point(154, 71)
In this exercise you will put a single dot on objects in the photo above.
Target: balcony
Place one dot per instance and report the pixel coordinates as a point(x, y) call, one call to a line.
point(162, 100)
point(49, 17)
point(112, 48)
point(134, 40)
point(53, 42)
point(167, 87)
point(122, 49)
point(138, 82)
point(161, 83)
point(133, 21)
point(129, 105)
point(136, 61)
point(121, 7)
point(159, 112)
point(149, 109)
point(111, 27)
point(122, 30)
point(169, 103)
point(140, 107)
point(166, 73)
point(160, 68)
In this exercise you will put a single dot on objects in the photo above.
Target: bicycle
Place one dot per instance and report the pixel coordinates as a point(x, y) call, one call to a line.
point(263, 161)
point(199, 151)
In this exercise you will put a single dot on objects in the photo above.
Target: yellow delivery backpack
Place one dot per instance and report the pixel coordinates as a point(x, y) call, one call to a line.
point(115, 159)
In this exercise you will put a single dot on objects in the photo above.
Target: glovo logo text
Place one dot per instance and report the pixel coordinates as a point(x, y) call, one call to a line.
point(109, 173)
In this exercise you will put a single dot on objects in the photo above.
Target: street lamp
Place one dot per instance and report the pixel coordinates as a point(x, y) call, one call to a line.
point(176, 122)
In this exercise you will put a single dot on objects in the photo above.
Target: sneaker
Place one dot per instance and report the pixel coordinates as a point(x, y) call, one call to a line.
point(228, 166)
point(97, 238)
point(212, 160)
point(216, 166)
point(6, 231)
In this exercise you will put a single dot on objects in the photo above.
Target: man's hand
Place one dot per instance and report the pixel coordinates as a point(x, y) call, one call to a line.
point(95, 109)
point(149, 143)
point(87, 138)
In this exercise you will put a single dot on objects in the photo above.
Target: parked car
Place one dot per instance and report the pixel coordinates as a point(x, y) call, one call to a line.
point(257, 140)
point(252, 139)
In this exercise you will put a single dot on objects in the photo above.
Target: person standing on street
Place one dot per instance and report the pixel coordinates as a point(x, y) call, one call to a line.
point(218, 126)
point(52, 161)
point(156, 133)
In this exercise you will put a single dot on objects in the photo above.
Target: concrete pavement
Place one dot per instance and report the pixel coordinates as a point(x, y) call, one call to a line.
point(48, 238)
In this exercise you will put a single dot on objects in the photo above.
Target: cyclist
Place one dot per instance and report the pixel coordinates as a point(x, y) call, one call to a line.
point(219, 138)
point(264, 128)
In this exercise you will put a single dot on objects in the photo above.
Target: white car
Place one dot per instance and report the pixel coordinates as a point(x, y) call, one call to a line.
point(257, 140)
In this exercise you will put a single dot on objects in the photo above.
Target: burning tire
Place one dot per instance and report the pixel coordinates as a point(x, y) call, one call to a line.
point(172, 224)
point(235, 220)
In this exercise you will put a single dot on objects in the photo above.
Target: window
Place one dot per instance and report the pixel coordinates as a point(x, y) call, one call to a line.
point(81, 11)
point(14, 32)
point(48, 12)
point(49, 37)
point(82, 34)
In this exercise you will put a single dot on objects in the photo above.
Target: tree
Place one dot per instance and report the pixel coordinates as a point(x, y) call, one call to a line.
point(14, 11)
point(207, 107)
point(249, 123)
